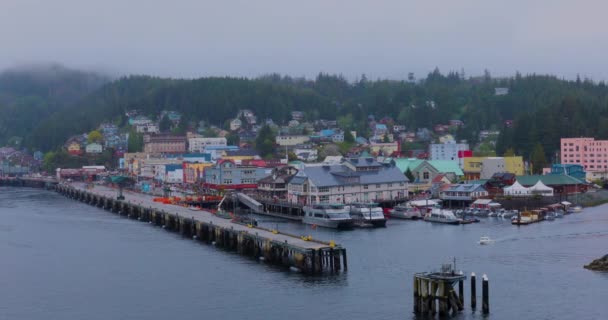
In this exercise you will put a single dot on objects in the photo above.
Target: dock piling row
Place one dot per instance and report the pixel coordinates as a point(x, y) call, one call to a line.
point(316, 258)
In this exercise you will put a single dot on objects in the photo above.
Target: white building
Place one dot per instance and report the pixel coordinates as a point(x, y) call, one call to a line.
point(94, 148)
point(197, 145)
point(307, 154)
point(448, 151)
point(354, 180)
point(147, 128)
point(291, 140)
point(235, 124)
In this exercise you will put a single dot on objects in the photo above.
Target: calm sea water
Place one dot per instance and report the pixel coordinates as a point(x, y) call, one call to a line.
point(61, 259)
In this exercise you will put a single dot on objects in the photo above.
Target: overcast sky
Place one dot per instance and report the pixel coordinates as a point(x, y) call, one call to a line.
point(386, 39)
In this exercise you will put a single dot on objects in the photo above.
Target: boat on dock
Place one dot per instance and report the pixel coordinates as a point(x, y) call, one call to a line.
point(367, 213)
point(442, 216)
point(527, 217)
point(327, 215)
point(405, 211)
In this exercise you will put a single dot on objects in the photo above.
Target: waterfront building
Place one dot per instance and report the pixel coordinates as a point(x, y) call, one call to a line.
point(274, 186)
point(154, 168)
point(353, 180)
point(227, 175)
point(174, 173)
point(198, 144)
point(464, 192)
point(561, 184)
point(164, 144)
point(193, 172)
point(448, 151)
point(590, 153)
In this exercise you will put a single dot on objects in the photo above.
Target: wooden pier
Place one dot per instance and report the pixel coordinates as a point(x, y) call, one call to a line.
point(310, 256)
point(435, 294)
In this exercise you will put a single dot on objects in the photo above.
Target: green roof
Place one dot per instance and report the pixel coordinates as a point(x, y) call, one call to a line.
point(445, 166)
point(404, 163)
point(548, 180)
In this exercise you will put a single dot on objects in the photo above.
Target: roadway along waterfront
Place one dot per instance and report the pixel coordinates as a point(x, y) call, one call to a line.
point(63, 259)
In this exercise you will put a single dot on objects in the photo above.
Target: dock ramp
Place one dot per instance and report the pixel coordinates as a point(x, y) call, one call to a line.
point(250, 202)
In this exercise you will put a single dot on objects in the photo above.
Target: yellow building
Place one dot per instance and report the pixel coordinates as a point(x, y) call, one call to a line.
point(484, 167)
point(515, 165)
point(194, 171)
point(472, 167)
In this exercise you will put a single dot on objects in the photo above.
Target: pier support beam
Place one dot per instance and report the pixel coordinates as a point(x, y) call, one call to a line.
point(473, 292)
point(485, 295)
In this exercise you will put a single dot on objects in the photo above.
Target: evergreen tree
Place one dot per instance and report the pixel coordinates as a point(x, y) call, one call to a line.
point(348, 137)
point(265, 142)
point(538, 159)
point(135, 143)
point(409, 175)
point(165, 124)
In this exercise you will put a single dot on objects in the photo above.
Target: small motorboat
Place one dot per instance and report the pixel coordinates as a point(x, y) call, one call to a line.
point(194, 208)
point(485, 240)
point(576, 209)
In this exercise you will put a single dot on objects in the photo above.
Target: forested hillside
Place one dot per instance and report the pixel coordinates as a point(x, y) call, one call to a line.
point(29, 95)
point(544, 108)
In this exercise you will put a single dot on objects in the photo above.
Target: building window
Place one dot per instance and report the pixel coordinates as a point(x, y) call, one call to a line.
point(377, 186)
point(425, 175)
point(323, 189)
point(228, 181)
point(365, 187)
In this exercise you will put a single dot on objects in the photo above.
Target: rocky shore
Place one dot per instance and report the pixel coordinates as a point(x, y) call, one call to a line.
point(600, 264)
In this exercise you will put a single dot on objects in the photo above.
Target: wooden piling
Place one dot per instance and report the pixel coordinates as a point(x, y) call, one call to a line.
point(485, 295)
point(473, 292)
point(461, 292)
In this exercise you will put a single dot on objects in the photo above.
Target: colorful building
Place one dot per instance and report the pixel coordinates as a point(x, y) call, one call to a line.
point(590, 153)
point(227, 175)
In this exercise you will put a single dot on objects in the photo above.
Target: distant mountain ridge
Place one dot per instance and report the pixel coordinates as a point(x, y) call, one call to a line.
point(543, 108)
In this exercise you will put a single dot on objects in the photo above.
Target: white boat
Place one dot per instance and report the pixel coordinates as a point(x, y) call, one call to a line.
point(405, 211)
point(485, 240)
point(193, 208)
point(442, 216)
point(327, 215)
point(576, 209)
point(367, 213)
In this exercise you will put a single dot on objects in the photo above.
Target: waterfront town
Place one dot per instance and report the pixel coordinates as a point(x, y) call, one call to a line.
point(281, 169)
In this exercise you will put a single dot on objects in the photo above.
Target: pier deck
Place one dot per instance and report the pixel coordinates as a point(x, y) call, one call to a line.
point(310, 256)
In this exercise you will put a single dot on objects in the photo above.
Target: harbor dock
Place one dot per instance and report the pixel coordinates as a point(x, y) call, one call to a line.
point(310, 256)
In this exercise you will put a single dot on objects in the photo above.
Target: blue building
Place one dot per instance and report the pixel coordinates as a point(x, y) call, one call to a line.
point(573, 170)
point(227, 175)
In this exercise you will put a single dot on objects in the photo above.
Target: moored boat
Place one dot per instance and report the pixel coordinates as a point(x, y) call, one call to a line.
point(405, 211)
point(442, 216)
point(327, 215)
point(367, 213)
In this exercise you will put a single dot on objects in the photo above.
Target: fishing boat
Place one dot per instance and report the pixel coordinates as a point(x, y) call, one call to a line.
point(327, 215)
point(442, 216)
point(367, 213)
point(485, 240)
point(405, 211)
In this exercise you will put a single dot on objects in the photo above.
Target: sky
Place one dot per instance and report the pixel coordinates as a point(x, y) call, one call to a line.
point(378, 38)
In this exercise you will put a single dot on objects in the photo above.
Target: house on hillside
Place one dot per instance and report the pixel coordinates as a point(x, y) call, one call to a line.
point(94, 148)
